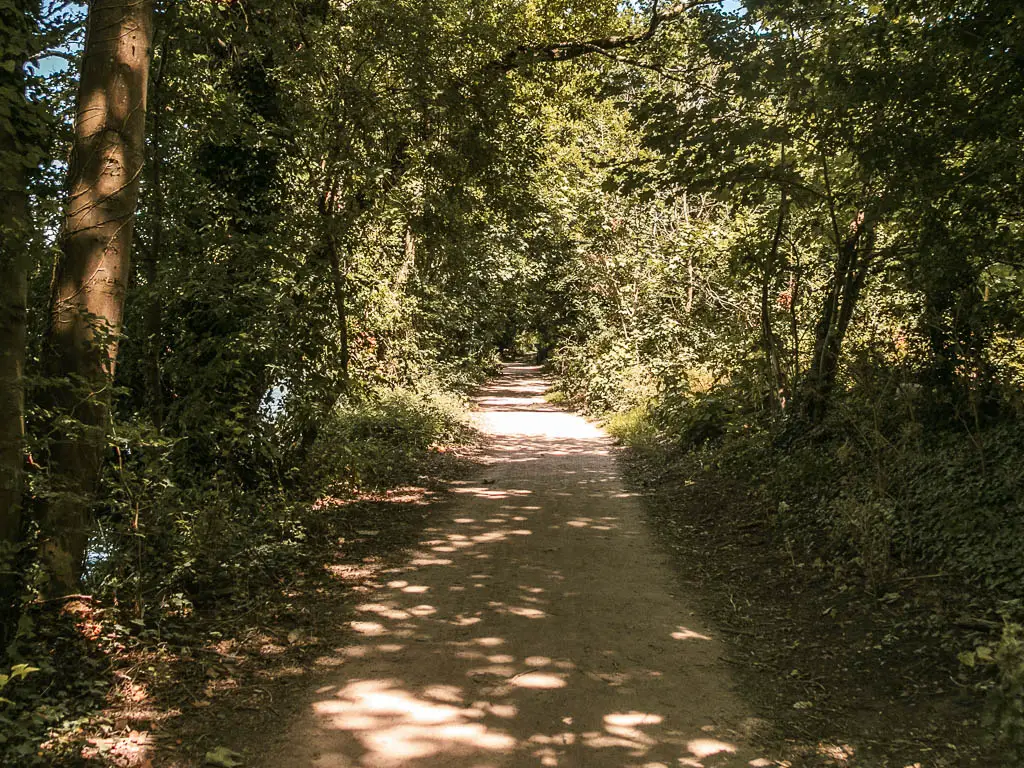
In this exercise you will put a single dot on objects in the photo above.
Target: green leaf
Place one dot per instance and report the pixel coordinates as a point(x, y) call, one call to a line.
point(222, 757)
point(22, 670)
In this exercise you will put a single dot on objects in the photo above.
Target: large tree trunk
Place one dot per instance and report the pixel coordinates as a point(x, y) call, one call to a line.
point(90, 279)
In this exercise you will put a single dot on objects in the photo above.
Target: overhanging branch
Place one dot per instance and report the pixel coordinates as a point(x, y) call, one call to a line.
point(525, 55)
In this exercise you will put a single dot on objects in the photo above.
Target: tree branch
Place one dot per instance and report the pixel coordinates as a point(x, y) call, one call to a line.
point(525, 55)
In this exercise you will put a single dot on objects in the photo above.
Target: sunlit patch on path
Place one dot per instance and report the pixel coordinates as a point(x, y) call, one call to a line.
point(535, 624)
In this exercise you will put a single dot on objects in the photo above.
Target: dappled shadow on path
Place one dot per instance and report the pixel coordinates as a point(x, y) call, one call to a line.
point(533, 626)
point(522, 389)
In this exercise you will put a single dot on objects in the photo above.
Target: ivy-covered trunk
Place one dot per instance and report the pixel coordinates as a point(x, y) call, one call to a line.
point(339, 283)
point(336, 228)
point(20, 151)
point(152, 307)
point(14, 224)
point(91, 276)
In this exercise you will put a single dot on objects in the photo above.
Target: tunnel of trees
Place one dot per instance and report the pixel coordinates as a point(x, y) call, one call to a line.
point(240, 236)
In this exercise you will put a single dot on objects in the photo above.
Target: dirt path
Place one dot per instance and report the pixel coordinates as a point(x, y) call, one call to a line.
point(536, 625)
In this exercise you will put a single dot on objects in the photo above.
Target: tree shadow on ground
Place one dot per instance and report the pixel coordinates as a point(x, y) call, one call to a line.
point(500, 641)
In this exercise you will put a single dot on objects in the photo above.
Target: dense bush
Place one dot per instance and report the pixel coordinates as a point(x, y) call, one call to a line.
point(602, 374)
point(206, 541)
point(381, 442)
point(168, 553)
point(878, 496)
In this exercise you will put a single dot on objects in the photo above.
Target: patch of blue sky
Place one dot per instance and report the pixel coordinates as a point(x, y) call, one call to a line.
point(58, 58)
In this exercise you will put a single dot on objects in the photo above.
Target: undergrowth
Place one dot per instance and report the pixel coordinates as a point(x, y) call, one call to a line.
point(382, 442)
point(876, 496)
point(169, 558)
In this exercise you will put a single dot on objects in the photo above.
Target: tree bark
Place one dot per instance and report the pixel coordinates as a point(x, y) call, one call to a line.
point(339, 273)
point(88, 294)
point(339, 280)
point(850, 273)
point(771, 347)
point(22, 140)
point(18, 22)
point(14, 265)
point(152, 313)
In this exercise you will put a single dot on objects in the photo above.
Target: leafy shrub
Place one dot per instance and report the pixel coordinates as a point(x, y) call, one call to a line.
point(873, 486)
point(382, 441)
point(18, 672)
point(1008, 696)
point(697, 420)
point(167, 535)
point(633, 428)
point(1005, 715)
point(864, 528)
point(604, 376)
point(556, 397)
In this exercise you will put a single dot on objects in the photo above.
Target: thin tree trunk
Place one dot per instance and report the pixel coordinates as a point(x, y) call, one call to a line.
point(339, 280)
point(18, 23)
point(339, 274)
point(153, 317)
point(771, 349)
point(689, 256)
point(152, 312)
point(14, 265)
point(90, 279)
point(409, 262)
point(794, 325)
point(837, 310)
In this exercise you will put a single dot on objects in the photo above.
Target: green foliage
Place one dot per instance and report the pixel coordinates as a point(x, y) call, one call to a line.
point(785, 240)
point(804, 278)
point(705, 418)
point(51, 698)
point(383, 442)
point(874, 491)
point(18, 672)
point(603, 378)
point(1005, 714)
point(1007, 708)
point(633, 428)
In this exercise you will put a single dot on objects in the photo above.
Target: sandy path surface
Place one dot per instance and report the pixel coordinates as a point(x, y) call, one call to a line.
point(537, 624)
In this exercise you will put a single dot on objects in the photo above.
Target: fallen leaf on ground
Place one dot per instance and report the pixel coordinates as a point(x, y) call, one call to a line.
point(222, 757)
